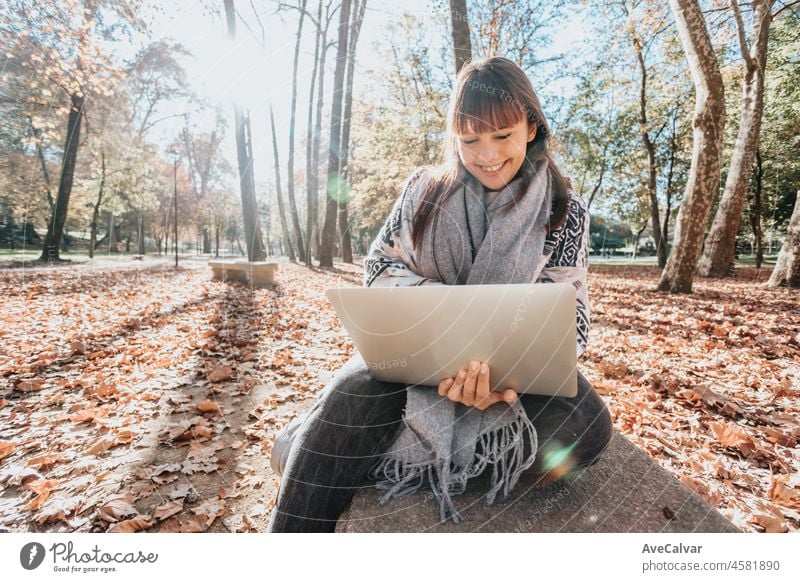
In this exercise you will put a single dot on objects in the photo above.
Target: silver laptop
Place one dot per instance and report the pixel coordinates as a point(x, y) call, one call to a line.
point(422, 335)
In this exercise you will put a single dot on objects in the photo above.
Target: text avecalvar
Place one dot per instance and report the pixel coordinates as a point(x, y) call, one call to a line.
point(671, 549)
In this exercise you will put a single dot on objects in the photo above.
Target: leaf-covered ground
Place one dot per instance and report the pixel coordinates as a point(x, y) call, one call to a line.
point(145, 398)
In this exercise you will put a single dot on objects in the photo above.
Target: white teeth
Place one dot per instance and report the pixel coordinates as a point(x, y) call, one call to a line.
point(493, 168)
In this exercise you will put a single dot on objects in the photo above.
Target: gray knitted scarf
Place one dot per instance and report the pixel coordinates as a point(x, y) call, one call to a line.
point(442, 444)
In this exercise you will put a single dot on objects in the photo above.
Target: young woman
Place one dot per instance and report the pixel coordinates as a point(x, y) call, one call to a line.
point(498, 210)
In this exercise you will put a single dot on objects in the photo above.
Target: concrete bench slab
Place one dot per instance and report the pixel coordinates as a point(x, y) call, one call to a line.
point(259, 274)
point(625, 491)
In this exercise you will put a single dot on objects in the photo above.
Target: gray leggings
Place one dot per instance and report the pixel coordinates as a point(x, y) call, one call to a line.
point(356, 418)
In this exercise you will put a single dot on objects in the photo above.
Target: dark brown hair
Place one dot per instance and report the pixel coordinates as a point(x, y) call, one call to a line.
point(490, 94)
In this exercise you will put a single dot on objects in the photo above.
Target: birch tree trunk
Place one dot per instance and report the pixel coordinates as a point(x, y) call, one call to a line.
point(708, 126)
point(720, 245)
point(787, 269)
point(334, 181)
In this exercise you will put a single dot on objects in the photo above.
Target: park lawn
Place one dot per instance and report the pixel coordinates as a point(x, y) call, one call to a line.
point(148, 398)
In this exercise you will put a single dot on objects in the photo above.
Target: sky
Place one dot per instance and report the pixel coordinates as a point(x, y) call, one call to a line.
point(254, 76)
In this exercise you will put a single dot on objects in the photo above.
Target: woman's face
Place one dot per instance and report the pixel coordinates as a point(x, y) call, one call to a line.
point(495, 157)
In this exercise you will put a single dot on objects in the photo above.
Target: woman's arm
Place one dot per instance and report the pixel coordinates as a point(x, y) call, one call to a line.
point(569, 263)
point(389, 262)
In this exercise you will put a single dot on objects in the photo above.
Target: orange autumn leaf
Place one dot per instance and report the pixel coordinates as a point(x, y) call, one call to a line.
point(208, 406)
point(42, 488)
point(728, 434)
point(29, 385)
point(138, 523)
point(6, 448)
point(45, 461)
point(220, 373)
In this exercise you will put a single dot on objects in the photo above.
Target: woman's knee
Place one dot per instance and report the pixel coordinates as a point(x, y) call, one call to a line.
point(355, 396)
point(577, 428)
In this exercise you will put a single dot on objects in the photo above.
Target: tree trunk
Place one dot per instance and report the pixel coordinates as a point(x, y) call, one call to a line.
point(96, 209)
point(55, 230)
point(636, 241)
point(281, 211)
point(720, 245)
point(140, 234)
point(787, 269)
point(311, 169)
point(252, 224)
point(755, 211)
point(462, 44)
point(355, 28)
point(316, 238)
point(673, 147)
point(48, 189)
point(298, 233)
point(708, 128)
point(650, 148)
point(335, 180)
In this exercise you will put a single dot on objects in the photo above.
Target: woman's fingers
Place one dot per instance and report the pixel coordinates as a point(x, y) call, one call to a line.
point(444, 386)
point(471, 384)
point(472, 387)
point(483, 389)
point(456, 389)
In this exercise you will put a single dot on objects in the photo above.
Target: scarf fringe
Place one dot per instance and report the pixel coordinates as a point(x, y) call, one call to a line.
point(503, 448)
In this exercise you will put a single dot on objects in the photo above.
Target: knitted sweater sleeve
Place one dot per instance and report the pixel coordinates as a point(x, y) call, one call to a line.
point(569, 263)
point(390, 261)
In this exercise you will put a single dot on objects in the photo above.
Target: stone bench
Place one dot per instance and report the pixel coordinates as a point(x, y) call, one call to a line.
point(259, 274)
point(625, 491)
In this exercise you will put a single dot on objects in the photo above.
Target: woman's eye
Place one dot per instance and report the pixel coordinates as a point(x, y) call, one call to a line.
point(503, 136)
point(469, 141)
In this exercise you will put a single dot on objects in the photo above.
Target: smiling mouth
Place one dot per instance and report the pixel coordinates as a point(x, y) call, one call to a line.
point(493, 170)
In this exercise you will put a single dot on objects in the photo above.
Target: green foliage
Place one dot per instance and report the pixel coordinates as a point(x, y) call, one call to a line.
point(605, 234)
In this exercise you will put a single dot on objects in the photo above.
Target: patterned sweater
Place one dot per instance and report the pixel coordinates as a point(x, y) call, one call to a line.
point(565, 257)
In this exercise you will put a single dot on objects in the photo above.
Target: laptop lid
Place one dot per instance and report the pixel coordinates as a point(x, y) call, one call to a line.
point(422, 335)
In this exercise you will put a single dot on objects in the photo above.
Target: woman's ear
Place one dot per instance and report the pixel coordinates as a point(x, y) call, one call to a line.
point(532, 132)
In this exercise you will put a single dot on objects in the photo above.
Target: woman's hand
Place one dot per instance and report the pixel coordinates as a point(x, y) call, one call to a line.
point(471, 388)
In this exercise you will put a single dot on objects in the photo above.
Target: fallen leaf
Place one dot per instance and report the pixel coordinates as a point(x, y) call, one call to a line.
point(168, 509)
point(6, 449)
point(42, 488)
point(138, 523)
point(29, 385)
point(117, 507)
point(208, 406)
point(771, 524)
point(220, 373)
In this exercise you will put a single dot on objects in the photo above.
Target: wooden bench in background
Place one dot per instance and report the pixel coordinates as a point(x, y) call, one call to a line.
point(625, 491)
point(137, 257)
point(259, 274)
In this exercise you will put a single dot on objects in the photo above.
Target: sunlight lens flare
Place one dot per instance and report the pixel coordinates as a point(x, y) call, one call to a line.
point(557, 458)
point(338, 188)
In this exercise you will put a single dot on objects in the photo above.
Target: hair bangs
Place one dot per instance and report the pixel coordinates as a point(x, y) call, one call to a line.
point(486, 105)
